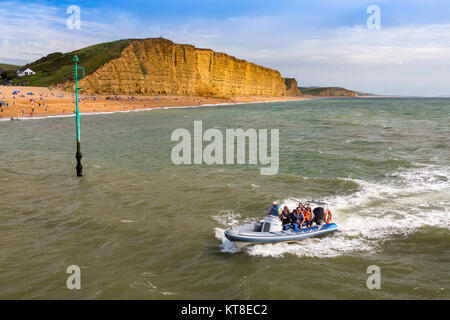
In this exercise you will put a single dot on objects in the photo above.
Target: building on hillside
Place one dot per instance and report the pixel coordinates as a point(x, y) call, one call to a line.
point(24, 71)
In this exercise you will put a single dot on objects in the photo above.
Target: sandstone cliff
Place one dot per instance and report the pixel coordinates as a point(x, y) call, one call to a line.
point(292, 87)
point(337, 92)
point(161, 67)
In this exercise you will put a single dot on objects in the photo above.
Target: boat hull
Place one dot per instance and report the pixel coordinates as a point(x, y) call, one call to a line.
point(242, 237)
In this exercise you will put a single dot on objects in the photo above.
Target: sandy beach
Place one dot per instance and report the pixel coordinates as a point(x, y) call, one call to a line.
point(25, 102)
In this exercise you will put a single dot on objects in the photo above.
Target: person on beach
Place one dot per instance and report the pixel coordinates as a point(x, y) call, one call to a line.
point(286, 218)
point(275, 210)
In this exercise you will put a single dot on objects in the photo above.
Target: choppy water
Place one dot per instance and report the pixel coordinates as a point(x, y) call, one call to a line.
point(141, 227)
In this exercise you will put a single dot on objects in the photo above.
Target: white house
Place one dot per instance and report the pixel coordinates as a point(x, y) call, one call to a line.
point(24, 71)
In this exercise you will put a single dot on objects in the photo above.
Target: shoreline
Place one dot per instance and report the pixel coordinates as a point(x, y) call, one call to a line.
point(69, 115)
point(28, 103)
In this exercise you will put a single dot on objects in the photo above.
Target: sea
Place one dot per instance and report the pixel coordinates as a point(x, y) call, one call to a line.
point(139, 226)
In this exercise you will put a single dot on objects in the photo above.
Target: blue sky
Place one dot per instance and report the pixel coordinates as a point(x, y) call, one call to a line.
point(320, 42)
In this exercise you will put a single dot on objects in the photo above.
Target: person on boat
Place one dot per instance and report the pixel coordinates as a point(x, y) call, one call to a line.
point(302, 218)
point(300, 207)
point(286, 218)
point(275, 210)
point(309, 216)
point(296, 220)
point(327, 217)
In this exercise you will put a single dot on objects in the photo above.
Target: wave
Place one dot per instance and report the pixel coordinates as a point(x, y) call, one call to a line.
point(146, 284)
point(401, 204)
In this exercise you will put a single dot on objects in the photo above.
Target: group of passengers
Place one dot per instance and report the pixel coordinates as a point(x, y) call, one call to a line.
point(302, 215)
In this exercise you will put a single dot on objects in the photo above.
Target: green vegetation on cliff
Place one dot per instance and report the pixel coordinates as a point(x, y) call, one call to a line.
point(7, 67)
point(56, 67)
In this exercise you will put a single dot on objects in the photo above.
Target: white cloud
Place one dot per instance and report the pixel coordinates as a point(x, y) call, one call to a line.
point(33, 30)
point(409, 60)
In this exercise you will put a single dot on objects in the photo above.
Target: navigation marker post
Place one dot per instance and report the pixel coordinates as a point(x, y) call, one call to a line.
point(78, 155)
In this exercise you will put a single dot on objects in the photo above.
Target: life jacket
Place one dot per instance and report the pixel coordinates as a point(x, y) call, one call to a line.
point(327, 217)
point(275, 211)
point(307, 215)
point(302, 216)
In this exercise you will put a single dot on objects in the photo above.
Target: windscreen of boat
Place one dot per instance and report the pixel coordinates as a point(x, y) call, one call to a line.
point(266, 227)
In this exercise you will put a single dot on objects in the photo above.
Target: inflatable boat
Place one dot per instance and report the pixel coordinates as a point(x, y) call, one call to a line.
point(270, 230)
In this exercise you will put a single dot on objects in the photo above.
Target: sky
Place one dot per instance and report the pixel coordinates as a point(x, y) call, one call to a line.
point(405, 50)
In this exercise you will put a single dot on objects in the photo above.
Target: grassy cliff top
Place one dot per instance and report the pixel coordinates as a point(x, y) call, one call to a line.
point(7, 67)
point(56, 67)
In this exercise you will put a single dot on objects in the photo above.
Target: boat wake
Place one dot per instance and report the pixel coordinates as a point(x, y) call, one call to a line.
point(405, 202)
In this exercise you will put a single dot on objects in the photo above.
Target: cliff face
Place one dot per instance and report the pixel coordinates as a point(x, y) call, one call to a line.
point(337, 92)
point(159, 66)
point(329, 92)
point(292, 87)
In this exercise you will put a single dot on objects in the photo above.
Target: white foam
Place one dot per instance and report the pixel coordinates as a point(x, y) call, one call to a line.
point(227, 245)
point(227, 218)
point(126, 221)
point(313, 247)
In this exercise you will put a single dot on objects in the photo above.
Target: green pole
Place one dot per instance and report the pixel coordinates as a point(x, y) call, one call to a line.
point(78, 155)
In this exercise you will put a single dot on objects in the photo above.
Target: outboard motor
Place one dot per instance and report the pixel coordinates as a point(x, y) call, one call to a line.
point(272, 224)
point(319, 213)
